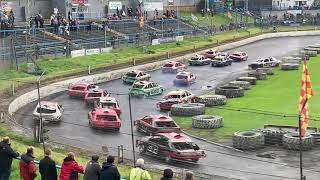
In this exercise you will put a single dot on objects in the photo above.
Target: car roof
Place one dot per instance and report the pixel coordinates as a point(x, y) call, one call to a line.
point(48, 104)
point(177, 92)
point(211, 50)
point(219, 57)
point(105, 111)
point(143, 82)
point(176, 137)
point(237, 52)
point(108, 99)
point(161, 117)
point(184, 73)
point(95, 90)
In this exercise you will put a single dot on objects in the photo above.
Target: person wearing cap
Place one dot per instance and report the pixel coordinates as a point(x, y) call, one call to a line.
point(47, 167)
point(28, 170)
point(92, 171)
point(138, 173)
point(70, 168)
point(109, 171)
point(6, 156)
point(167, 175)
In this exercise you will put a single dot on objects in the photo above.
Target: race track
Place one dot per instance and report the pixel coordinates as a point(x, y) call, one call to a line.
point(74, 129)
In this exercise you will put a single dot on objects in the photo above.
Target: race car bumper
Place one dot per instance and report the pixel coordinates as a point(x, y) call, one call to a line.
point(169, 70)
point(115, 125)
point(181, 82)
point(177, 155)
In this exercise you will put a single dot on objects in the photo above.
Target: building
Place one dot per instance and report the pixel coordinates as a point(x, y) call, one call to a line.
point(286, 4)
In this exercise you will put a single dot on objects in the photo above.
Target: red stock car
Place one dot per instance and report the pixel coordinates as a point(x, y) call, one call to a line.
point(238, 56)
point(175, 97)
point(94, 95)
point(110, 103)
point(211, 53)
point(153, 124)
point(170, 146)
point(184, 78)
point(173, 67)
point(103, 118)
point(80, 89)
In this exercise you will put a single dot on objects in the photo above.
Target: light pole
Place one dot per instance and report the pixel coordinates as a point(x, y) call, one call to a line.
point(41, 137)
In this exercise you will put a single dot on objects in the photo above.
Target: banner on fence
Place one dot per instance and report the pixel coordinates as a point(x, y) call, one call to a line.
point(151, 6)
point(179, 38)
point(155, 41)
point(77, 53)
point(92, 51)
point(107, 49)
point(115, 5)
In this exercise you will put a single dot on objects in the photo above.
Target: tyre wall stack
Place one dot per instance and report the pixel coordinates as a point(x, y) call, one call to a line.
point(248, 140)
point(230, 91)
point(251, 80)
point(243, 84)
point(258, 75)
point(289, 66)
point(187, 109)
point(207, 121)
point(291, 141)
point(212, 100)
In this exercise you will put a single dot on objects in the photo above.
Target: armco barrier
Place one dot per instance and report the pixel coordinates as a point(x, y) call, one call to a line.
point(108, 76)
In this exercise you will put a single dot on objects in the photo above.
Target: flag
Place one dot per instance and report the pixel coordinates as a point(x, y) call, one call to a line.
point(229, 15)
point(194, 18)
point(306, 93)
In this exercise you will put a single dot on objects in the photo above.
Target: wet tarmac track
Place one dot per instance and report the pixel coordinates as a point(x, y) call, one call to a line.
point(74, 128)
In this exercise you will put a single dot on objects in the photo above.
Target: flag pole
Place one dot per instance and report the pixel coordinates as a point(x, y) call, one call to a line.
point(302, 177)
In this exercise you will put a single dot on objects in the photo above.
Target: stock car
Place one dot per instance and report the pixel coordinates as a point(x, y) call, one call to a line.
point(199, 60)
point(266, 62)
point(211, 53)
point(135, 75)
point(50, 111)
point(170, 147)
point(146, 88)
point(173, 67)
point(110, 103)
point(94, 95)
point(80, 89)
point(153, 124)
point(184, 78)
point(175, 97)
point(220, 61)
point(238, 56)
point(104, 118)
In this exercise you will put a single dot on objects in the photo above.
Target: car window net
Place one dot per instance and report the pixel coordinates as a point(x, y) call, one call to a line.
point(106, 118)
point(168, 65)
point(46, 111)
point(139, 86)
point(173, 96)
point(131, 74)
point(108, 105)
point(94, 95)
point(78, 88)
point(181, 77)
point(165, 124)
point(183, 146)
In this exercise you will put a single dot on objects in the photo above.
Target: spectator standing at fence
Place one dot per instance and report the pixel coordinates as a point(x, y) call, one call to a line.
point(28, 169)
point(189, 176)
point(41, 20)
point(92, 171)
point(109, 171)
point(70, 168)
point(138, 172)
point(167, 175)
point(47, 167)
point(6, 156)
point(36, 21)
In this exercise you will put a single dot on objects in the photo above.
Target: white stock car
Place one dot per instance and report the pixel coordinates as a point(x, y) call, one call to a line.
point(51, 111)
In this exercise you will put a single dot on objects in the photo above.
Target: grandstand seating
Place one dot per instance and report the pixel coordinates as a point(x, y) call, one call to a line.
point(171, 25)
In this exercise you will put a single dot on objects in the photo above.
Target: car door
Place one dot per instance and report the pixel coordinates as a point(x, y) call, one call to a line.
point(145, 124)
point(152, 145)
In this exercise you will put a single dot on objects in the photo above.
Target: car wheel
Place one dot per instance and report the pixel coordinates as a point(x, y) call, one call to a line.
point(195, 160)
point(142, 149)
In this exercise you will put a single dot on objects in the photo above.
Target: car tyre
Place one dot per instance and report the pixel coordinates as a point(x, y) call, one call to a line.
point(248, 140)
point(292, 141)
point(142, 149)
point(230, 91)
point(207, 121)
point(212, 100)
point(187, 109)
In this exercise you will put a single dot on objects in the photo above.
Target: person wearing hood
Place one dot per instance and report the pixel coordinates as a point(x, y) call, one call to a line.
point(93, 168)
point(47, 167)
point(28, 169)
point(70, 168)
point(167, 174)
point(109, 171)
point(6, 156)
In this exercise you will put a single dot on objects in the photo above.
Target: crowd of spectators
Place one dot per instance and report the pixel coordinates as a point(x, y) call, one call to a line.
point(6, 19)
point(70, 168)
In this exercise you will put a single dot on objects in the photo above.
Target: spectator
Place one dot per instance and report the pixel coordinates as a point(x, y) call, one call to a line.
point(167, 174)
point(36, 21)
point(70, 168)
point(138, 172)
point(28, 169)
point(109, 171)
point(6, 156)
point(47, 167)
point(93, 168)
point(189, 176)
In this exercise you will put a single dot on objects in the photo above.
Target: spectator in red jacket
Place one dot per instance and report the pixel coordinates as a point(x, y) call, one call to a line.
point(28, 169)
point(70, 168)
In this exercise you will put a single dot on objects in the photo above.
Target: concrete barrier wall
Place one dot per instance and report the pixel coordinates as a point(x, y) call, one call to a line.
point(113, 75)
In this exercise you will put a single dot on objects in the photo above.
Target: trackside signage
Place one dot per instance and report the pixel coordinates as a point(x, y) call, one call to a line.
point(77, 53)
point(92, 51)
point(107, 49)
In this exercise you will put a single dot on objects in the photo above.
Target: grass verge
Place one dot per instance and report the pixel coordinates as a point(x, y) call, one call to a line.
point(280, 94)
point(20, 144)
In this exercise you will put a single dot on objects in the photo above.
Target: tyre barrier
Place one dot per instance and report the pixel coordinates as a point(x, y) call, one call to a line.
point(292, 141)
point(207, 121)
point(212, 100)
point(268, 71)
point(312, 49)
point(251, 80)
point(258, 75)
point(243, 84)
point(272, 136)
point(316, 138)
point(187, 109)
point(314, 46)
point(230, 91)
point(248, 140)
point(289, 66)
point(309, 53)
point(290, 59)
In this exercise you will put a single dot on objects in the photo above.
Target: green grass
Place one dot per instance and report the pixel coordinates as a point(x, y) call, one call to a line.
point(20, 144)
point(280, 94)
